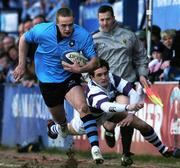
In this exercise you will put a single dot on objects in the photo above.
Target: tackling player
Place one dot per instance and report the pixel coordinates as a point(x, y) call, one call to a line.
point(101, 93)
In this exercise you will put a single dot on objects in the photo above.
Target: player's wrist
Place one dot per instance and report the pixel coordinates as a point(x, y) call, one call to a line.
point(131, 113)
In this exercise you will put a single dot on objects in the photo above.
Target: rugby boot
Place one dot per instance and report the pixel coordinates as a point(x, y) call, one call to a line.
point(172, 153)
point(50, 133)
point(96, 155)
point(63, 130)
point(126, 160)
point(110, 138)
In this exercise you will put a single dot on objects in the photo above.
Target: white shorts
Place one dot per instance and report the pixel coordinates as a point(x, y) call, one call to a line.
point(77, 123)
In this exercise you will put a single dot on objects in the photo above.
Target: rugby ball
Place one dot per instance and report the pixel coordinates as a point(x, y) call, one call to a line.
point(73, 57)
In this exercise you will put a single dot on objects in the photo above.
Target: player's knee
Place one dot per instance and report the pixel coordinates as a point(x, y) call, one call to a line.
point(83, 108)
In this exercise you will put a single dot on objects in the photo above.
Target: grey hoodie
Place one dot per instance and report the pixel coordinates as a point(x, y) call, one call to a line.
point(125, 54)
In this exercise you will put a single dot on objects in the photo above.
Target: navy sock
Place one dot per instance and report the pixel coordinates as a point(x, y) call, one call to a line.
point(90, 128)
point(126, 137)
point(152, 138)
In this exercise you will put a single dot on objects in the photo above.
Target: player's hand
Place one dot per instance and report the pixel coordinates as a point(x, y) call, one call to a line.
point(165, 64)
point(126, 121)
point(135, 107)
point(75, 68)
point(144, 82)
point(19, 72)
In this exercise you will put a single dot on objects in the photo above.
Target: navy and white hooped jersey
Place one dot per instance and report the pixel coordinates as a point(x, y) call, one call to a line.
point(52, 47)
point(96, 95)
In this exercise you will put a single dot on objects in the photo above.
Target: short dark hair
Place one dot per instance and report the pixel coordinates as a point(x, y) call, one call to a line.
point(101, 63)
point(27, 20)
point(106, 8)
point(40, 16)
point(65, 12)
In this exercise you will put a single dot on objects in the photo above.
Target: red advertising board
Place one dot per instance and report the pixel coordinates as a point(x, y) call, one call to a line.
point(165, 120)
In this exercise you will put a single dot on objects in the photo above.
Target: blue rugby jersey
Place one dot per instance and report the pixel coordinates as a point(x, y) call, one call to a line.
point(50, 50)
point(96, 95)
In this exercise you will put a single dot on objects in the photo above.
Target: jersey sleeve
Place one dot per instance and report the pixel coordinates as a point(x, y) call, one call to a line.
point(88, 47)
point(32, 36)
point(124, 87)
point(95, 97)
point(100, 101)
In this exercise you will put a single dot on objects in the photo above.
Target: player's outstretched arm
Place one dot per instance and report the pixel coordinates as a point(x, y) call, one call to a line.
point(20, 69)
point(117, 107)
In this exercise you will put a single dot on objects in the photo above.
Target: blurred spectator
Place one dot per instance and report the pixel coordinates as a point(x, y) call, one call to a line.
point(4, 65)
point(2, 35)
point(92, 1)
point(167, 37)
point(8, 41)
point(13, 57)
point(156, 34)
point(29, 78)
point(155, 70)
point(58, 4)
point(25, 6)
point(30, 9)
point(15, 3)
point(38, 19)
point(10, 4)
point(37, 8)
point(27, 24)
point(171, 57)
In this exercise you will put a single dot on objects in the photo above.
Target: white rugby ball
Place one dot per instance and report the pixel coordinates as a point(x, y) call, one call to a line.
point(73, 57)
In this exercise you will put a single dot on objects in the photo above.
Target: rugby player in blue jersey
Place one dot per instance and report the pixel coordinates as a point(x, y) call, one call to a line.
point(58, 82)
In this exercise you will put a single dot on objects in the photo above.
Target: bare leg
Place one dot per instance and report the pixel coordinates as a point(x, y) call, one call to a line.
point(71, 130)
point(145, 129)
point(58, 113)
point(77, 99)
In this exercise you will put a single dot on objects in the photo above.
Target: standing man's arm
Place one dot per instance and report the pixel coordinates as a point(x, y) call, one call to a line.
point(20, 69)
point(141, 61)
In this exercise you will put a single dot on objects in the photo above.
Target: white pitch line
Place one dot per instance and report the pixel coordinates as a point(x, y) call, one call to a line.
point(8, 165)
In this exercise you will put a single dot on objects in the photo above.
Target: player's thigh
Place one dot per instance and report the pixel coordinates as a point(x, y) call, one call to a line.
point(76, 98)
point(117, 117)
point(122, 99)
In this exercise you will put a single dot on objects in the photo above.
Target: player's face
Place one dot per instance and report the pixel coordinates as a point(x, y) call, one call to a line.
point(105, 21)
point(65, 25)
point(101, 77)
